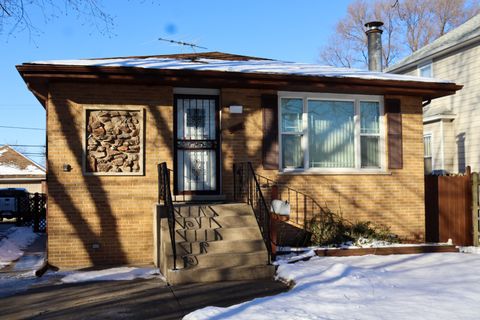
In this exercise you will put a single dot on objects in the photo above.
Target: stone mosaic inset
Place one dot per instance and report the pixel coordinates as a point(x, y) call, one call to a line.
point(114, 143)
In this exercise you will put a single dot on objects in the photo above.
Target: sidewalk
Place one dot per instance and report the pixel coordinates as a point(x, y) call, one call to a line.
point(136, 299)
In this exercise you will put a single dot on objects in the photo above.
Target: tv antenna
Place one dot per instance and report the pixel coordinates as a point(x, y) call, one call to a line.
point(191, 45)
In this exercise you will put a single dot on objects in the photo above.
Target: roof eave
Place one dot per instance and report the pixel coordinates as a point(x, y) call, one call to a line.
point(400, 67)
point(34, 74)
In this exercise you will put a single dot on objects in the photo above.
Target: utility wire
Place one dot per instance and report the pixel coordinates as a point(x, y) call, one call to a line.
point(23, 128)
point(27, 145)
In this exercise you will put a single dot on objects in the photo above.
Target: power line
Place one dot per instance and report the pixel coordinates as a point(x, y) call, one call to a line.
point(27, 145)
point(23, 128)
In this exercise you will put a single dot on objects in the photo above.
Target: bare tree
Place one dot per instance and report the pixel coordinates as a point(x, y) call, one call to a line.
point(409, 25)
point(16, 15)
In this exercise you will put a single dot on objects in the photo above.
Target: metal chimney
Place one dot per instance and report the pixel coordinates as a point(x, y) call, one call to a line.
point(374, 38)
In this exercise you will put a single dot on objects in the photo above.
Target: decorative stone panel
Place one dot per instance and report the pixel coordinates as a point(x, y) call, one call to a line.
point(114, 143)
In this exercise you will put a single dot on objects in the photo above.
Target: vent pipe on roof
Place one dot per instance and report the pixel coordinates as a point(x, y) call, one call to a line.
point(374, 39)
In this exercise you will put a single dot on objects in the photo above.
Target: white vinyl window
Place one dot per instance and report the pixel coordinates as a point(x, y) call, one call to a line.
point(426, 70)
point(331, 132)
point(427, 153)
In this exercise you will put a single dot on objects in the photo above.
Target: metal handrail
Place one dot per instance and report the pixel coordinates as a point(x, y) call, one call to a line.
point(303, 206)
point(309, 206)
point(246, 186)
point(165, 197)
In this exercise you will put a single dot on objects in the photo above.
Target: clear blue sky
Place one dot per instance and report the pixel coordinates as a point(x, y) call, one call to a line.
point(281, 29)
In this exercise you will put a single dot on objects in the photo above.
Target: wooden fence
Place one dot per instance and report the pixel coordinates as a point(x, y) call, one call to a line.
point(452, 208)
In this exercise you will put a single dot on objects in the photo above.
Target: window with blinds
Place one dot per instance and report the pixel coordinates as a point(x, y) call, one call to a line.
point(327, 132)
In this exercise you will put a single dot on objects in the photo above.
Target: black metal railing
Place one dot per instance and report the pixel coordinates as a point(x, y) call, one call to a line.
point(247, 189)
point(303, 207)
point(165, 198)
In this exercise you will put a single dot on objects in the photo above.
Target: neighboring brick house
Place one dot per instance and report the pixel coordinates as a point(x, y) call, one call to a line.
point(351, 139)
point(18, 171)
point(451, 124)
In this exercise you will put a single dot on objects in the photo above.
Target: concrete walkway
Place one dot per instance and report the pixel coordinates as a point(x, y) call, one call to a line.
point(136, 299)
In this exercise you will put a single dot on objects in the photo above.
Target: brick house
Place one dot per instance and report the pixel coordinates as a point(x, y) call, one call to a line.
point(351, 140)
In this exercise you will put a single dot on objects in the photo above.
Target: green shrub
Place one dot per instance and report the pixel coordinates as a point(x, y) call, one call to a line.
point(330, 229)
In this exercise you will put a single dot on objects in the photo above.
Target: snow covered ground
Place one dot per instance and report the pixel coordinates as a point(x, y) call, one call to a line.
point(12, 283)
point(419, 286)
point(112, 274)
point(15, 241)
point(21, 276)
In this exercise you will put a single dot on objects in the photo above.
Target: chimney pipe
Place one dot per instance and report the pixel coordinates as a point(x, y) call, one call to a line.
point(374, 38)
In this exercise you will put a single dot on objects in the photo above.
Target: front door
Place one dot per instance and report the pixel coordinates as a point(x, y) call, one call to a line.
point(196, 144)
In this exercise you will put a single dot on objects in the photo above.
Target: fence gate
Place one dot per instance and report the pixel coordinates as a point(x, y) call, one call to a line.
point(448, 209)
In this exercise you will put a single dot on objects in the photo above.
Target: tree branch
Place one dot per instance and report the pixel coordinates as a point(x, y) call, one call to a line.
point(5, 10)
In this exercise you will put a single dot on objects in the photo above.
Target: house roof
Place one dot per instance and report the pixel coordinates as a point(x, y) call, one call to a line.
point(223, 70)
point(224, 62)
point(464, 35)
point(13, 164)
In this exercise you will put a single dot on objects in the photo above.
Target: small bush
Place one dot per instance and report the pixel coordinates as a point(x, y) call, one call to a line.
point(329, 229)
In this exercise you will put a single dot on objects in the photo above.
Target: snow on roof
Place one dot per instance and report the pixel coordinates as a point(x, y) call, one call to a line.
point(257, 66)
point(467, 31)
point(14, 163)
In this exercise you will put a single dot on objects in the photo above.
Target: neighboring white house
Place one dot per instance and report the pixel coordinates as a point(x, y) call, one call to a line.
point(18, 171)
point(452, 123)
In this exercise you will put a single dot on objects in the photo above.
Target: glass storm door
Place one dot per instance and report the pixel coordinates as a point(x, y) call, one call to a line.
point(196, 144)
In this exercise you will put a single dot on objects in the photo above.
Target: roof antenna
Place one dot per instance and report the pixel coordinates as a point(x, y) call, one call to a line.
point(191, 45)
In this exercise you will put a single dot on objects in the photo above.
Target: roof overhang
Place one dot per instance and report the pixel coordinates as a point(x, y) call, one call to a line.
point(404, 66)
point(38, 76)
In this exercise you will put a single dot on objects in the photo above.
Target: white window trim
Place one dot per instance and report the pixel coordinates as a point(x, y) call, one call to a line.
point(422, 65)
point(429, 134)
point(356, 98)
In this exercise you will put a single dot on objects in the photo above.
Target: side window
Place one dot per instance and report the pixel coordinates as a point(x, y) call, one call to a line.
point(427, 153)
point(425, 70)
point(292, 133)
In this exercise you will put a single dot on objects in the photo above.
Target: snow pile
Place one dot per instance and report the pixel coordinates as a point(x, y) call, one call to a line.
point(11, 168)
point(365, 243)
point(430, 286)
point(113, 274)
point(11, 247)
point(293, 257)
point(474, 250)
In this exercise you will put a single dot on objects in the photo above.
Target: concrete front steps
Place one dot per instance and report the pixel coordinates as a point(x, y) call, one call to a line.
point(215, 242)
